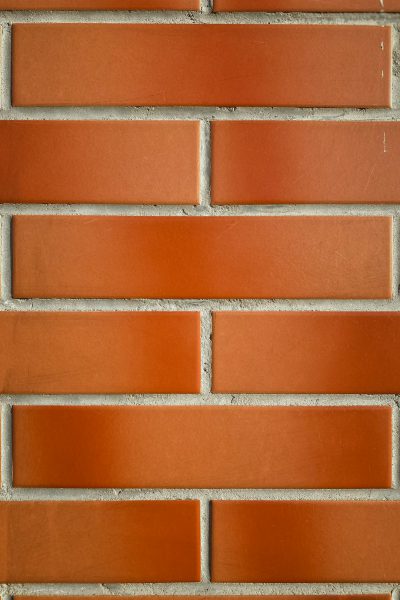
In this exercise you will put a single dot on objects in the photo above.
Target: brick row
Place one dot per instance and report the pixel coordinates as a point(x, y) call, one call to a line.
point(219, 5)
point(201, 257)
point(155, 352)
point(156, 541)
point(157, 162)
point(202, 65)
point(201, 447)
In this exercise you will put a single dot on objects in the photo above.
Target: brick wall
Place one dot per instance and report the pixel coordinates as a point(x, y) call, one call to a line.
point(199, 316)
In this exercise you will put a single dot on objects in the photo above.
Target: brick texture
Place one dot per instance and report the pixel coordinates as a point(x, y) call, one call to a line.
point(209, 257)
point(119, 162)
point(141, 447)
point(89, 353)
point(211, 65)
point(199, 299)
point(305, 541)
point(50, 542)
point(305, 162)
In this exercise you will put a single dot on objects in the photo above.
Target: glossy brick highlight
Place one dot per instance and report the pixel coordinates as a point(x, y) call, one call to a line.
point(201, 65)
point(202, 257)
point(99, 352)
point(306, 352)
point(308, 5)
point(305, 162)
point(305, 542)
point(95, 542)
point(145, 447)
point(98, 162)
point(99, 4)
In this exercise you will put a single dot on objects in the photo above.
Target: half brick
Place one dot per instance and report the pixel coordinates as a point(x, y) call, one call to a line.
point(305, 162)
point(97, 542)
point(306, 352)
point(94, 162)
point(305, 542)
point(99, 352)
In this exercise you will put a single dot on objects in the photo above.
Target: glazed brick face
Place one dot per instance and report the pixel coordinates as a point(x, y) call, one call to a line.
point(91, 542)
point(306, 352)
point(305, 541)
point(305, 162)
point(99, 4)
point(308, 5)
point(209, 257)
point(119, 162)
point(210, 65)
point(139, 447)
point(103, 352)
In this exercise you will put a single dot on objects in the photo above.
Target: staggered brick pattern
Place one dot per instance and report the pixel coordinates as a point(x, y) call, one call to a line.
point(199, 312)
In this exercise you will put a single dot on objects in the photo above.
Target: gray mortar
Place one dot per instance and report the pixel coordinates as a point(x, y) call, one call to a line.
point(205, 115)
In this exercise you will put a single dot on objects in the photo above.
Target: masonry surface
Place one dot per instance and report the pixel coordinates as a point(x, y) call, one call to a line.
point(199, 303)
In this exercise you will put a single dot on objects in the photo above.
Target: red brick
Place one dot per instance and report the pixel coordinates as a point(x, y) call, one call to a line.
point(308, 5)
point(99, 4)
point(305, 162)
point(114, 162)
point(305, 542)
point(99, 352)
point(306, 352)
point(202, 257)
point(99, 542)
point(224, 65)
point(145, 447)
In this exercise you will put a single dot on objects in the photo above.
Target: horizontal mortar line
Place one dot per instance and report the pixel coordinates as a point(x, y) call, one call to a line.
point(201, 400)
point(202, 588)
point(147, 305)
point(277, 210)
point(206, 494)
point(197, 17)
point(214, 113)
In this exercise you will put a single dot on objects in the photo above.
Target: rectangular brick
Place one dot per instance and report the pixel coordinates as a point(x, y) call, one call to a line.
point(99, 352)
point(144, 447)
point(202, 257)
point(305, 162)
point(211, 65)
point(308, 5)
point(99, 542)
point(306, 352)
point(305, 542)
point(99, 4)
point(117, 162)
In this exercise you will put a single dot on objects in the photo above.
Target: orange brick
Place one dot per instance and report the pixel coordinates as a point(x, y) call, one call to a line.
point(95, 542)
point(202, 257)
point(118, 162)
point(305, 542)
point(102, 352)
point(306, 352)
point(223, 65)
point(308, 5)
point(99, 4)
point(144, 447)
point(305, 162)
